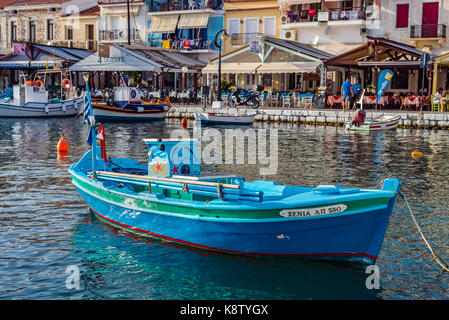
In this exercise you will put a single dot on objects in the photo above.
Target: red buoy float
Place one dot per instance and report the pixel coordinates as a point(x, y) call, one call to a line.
point(67, 84)
point(39, 83)
point(63, 146)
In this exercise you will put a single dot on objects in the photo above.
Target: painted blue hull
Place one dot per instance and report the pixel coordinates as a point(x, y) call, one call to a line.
point(354, 238)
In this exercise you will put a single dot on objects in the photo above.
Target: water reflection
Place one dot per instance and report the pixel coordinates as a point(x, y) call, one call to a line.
point(45, 225)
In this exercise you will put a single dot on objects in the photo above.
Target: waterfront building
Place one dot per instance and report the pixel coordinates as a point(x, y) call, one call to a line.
point(267, 59)
point(422, 24)
point(113, 21)
point(185, 26)
point(247, 20)
point(81, 27)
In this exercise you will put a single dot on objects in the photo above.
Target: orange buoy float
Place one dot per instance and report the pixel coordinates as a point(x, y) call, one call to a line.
point(417, 154)
point(63, 146)
point(39, 83)
point(67, 84)
point(184, 122)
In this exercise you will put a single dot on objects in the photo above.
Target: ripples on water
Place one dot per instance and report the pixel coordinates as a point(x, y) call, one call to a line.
point(45, 225)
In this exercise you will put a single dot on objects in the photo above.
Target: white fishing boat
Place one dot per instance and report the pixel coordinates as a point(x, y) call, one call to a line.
point(225, 118)
point(376, 124)
point(360, 124)
point(31, 100)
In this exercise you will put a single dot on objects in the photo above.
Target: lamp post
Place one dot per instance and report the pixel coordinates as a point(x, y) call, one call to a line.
point(219, 45)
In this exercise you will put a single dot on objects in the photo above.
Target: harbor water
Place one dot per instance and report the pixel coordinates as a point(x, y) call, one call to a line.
point(46, 228)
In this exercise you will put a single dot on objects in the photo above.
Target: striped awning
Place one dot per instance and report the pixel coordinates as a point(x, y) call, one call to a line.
point(194, 20)
point(163, 24)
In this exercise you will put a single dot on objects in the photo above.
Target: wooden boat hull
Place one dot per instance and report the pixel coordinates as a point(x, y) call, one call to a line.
point(136, 113)
point(217, 118)
point(42, 110)
point(379, 125)
point(266, 228)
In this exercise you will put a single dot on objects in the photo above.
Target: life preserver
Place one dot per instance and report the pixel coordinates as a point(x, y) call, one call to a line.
point(67, 84)
point(39, 83)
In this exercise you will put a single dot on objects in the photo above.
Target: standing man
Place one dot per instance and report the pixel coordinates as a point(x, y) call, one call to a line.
point(356, 89)
point(347, 93)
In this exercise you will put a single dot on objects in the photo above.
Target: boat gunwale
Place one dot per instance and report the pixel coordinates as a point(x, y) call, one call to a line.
point(202, 206)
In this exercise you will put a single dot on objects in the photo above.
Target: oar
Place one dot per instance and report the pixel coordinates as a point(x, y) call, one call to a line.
point(134, 176)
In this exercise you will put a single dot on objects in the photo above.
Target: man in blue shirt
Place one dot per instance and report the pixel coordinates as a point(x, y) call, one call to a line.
point(356, 87)
point(347, 93)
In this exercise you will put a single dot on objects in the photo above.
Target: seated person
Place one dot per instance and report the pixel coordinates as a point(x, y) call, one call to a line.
point(440, 98)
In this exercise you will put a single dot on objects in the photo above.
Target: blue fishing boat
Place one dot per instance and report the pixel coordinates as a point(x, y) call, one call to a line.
point(170, 198)
point(126, 104)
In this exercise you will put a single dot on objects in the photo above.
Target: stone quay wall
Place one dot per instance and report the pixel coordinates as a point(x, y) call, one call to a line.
point(409, 119)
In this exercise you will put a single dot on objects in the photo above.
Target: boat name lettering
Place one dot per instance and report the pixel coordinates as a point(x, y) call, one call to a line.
point(310, 212)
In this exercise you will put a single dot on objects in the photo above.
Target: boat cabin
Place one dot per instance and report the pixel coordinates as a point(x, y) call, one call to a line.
point(126, 94)
point(168, 158)
point(29, 94)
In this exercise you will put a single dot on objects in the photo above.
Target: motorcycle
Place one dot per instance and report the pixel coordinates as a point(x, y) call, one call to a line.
point(248, 98)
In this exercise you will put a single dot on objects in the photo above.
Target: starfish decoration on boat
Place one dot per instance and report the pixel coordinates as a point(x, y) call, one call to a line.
point(158, 168)
point(175, 170)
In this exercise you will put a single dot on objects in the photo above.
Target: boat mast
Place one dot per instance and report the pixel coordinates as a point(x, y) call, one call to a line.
point(129, 23)
point(91, 120)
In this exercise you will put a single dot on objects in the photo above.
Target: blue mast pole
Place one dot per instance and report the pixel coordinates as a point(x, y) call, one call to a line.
point(91, 121)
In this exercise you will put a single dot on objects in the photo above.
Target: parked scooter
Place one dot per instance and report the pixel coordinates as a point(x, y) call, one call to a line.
point(243, 97)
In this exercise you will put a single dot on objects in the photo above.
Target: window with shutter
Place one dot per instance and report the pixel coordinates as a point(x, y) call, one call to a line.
point(402, 15)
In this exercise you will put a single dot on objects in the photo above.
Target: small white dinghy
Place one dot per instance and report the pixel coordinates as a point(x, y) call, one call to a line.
point(376, 124)
point(225, 118)
point(372, 124)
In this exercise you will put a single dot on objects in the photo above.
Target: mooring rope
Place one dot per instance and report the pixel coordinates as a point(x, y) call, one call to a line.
point(437, 258)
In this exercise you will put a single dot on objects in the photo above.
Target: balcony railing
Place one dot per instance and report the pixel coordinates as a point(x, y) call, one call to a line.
point(428, 31)
point(118, 35)
point(177, 5)
point(241, 39)
point(90, 45)
point(182, 45)
point(340, 14)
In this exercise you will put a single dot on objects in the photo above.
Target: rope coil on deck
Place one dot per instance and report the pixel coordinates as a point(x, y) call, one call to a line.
point(443, 264)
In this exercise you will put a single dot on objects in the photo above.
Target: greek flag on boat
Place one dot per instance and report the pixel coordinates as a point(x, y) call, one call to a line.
point(87, 107)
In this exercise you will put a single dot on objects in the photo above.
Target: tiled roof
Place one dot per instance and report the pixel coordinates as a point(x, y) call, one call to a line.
point(22, 3)
point(88, 12)
point(4, 3)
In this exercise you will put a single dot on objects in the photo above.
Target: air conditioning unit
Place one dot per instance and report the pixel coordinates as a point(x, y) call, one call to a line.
point(323, 16)
point(284, 19)
point(290, 35)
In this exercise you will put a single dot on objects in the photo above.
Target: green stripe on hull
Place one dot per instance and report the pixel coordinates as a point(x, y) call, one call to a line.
point(131, 200)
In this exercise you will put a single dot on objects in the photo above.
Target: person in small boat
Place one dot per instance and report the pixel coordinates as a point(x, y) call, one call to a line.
point(359, 118)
